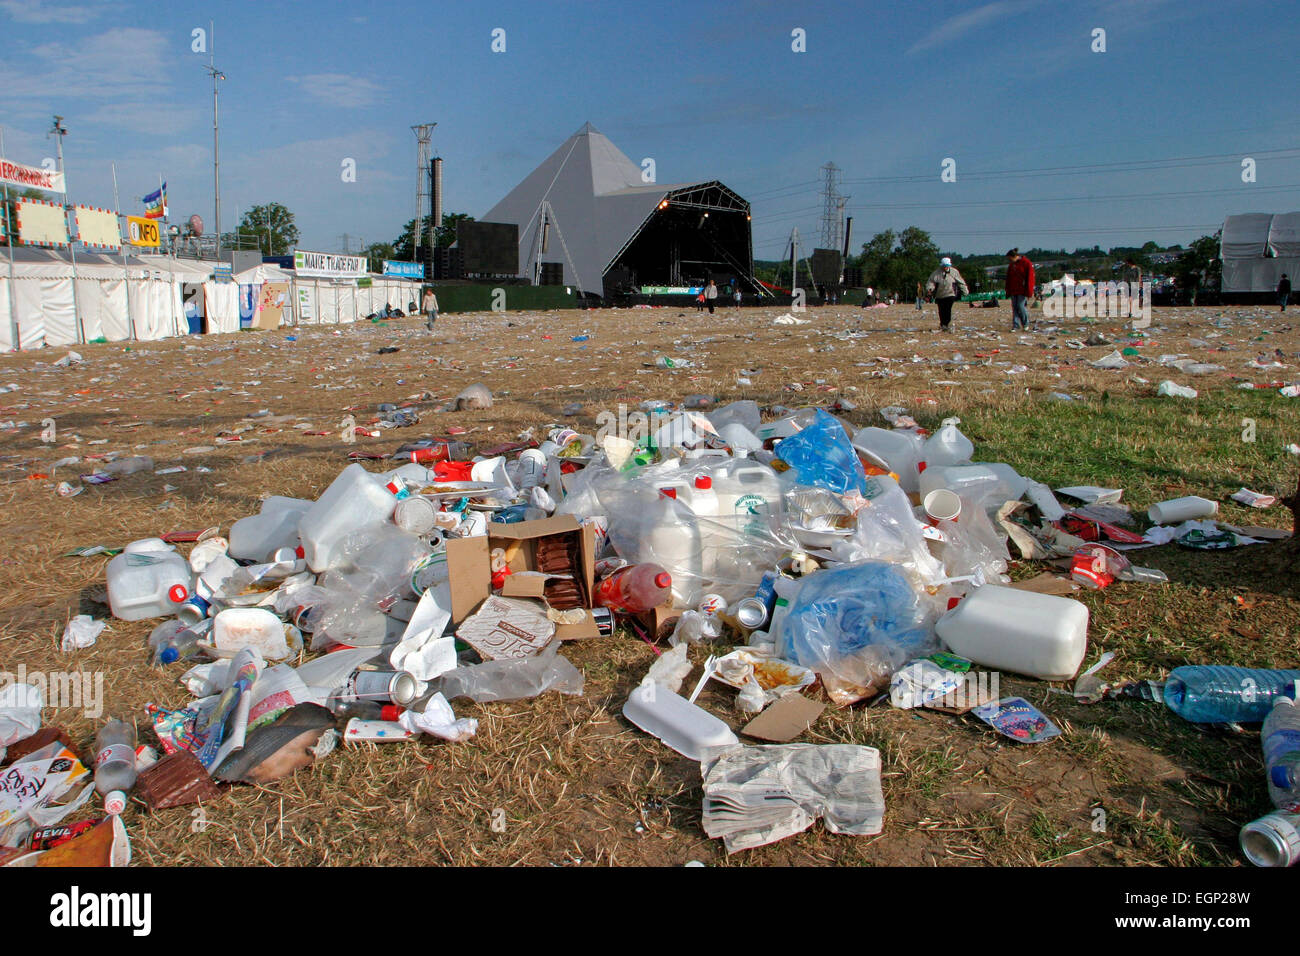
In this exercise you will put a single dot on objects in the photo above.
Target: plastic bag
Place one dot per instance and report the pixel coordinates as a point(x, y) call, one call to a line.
point(822, 455)
point(886, 529)
point(512, 678)
point(857, 624)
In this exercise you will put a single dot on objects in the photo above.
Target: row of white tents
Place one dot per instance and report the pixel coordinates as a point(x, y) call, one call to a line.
point(52, 302)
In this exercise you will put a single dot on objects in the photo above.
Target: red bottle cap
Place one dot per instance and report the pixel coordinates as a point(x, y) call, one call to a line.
point(953, 602)
point(178, 594)
point(704, 482)
point(663, 580)
point(667, 492)
point(390, 712)
point(300, 552)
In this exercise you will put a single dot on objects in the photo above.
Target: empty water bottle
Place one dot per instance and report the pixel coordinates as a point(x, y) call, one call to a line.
point(1212, 694)
point(115, 763)
point(1280, 738)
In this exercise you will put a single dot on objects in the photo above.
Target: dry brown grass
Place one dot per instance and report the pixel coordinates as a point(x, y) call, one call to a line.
point(577, 784)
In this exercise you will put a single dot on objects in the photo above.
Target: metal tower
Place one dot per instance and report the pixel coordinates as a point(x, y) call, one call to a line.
point(424, 136)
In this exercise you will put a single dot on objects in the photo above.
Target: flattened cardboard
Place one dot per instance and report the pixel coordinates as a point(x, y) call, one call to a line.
point(1047, 583)
point(505, 628)
point(470, 570)
point(785, 719)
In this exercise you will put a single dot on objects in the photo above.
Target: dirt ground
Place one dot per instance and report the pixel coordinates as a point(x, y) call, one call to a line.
point(1128, 783)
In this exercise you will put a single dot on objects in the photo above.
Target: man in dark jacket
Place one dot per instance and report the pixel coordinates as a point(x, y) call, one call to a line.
point(1283, 291)
point(1020, 286)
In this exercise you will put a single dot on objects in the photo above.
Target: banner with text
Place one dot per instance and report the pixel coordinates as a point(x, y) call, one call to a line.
point(141, 232)
point(36, 177)
point(324, 265)
point(406, 270)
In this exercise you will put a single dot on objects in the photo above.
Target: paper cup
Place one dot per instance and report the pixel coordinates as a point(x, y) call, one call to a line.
point(942, 505)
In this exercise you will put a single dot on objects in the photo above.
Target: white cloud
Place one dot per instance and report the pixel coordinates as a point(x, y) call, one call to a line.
point(37, 11)
point(954, 28)
point(338, 89)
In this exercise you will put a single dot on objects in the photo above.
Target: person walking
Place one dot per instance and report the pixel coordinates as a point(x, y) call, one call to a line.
point(711, 295)
point(1283, 291)
point(430, 308)
point(946, 286)
point(735, 295)
point(1020, 286)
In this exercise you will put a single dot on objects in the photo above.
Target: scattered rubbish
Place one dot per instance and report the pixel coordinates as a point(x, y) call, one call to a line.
point(1016, 718)
point(1173, 389)
point(82, 631)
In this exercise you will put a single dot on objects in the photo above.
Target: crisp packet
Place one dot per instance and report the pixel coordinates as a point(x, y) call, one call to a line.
point(1018, 719)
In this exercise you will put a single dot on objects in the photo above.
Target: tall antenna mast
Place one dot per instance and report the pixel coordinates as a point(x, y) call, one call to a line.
point(216, 134)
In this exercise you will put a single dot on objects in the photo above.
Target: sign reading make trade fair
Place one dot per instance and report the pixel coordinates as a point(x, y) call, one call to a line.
point(325, 265)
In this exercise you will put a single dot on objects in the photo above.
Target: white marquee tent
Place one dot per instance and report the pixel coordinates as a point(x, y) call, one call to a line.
point(143, 297)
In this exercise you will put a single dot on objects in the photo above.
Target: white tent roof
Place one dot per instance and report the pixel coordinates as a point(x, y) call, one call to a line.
point(1284, 235)
point(1245, 236)
point(599, 201)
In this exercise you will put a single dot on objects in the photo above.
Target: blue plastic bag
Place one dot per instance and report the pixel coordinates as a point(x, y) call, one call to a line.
point(821, 455)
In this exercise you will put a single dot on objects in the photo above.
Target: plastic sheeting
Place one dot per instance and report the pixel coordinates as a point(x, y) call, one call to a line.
point(221, 306)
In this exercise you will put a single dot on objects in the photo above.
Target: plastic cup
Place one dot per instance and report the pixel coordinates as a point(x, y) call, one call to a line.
point(416, 515)
point(942, 505)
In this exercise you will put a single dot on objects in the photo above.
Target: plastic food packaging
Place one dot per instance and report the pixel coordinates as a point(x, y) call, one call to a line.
point(686, 728)
point(855, 625)
point(512, 678)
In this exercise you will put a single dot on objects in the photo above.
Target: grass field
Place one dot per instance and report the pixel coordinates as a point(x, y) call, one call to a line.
point(1128, 783)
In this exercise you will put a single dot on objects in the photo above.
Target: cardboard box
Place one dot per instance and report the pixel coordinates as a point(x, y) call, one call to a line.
point(470, 570)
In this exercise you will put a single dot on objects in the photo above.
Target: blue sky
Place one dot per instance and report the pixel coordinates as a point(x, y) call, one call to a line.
point(1184, 91)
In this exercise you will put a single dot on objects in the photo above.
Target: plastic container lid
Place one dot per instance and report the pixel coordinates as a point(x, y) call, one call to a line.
point(178, 593)
point(663, 580)
point(114, 802)
point(168, 655)
point(703, 482)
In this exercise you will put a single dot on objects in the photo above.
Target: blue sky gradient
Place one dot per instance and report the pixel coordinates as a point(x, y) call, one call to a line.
point(1055, 145)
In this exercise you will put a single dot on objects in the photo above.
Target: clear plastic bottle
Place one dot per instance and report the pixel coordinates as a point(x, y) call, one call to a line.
point(115, 763)
point(947, 446)
point(1212, 694)
point(128, 466)
point(636, 588)
point(173, 641)
point(1280, 738)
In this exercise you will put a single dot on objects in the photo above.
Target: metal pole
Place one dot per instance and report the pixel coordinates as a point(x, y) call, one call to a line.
point(216, 138)
point(9, 241)
point(126, 276)
point(59, 131)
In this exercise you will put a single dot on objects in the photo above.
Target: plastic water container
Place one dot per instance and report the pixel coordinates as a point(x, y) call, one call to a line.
point(746, 487)
point(963, 479)
point(1040, 635)
point(276, 526)
point(947, 446)
point(1280, 738)
point(148, 579)
point(899, 450)
point(1211, 694)
point(354, 500)
point(672, 540)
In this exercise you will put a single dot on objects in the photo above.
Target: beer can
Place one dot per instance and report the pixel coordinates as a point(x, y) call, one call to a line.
point(193, 611)
point(711, 605)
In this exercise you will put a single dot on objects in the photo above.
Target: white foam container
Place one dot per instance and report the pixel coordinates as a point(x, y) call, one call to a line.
point(681, 725)
point(1178, 510)
point(1008, 629)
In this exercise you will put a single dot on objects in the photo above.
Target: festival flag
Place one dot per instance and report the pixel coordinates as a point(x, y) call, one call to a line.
point(155, 204)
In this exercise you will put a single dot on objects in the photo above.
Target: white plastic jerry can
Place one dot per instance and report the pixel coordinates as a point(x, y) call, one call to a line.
point(148, 579)
point(354, 500)
point(1008, 629)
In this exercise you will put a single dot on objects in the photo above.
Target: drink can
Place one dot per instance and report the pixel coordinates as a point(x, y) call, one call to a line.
point(1272, 840)
point(194, 610)
point(397, 687)
point(604, 619)
point(416, 515)
point(753, 612)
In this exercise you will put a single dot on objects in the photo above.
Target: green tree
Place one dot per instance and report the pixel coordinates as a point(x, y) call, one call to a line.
point(444, 235)
point(1199, 264)
point(875, 253)
point(897, 262)
point(377, 252)
point(270, 227)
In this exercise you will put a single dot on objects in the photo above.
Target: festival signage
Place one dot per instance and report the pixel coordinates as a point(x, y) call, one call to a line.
point(35, 177)
point(325, 265)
